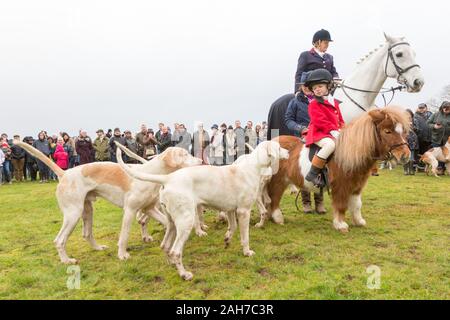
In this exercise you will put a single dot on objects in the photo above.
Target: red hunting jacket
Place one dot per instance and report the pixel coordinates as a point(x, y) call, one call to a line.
point(324, 118)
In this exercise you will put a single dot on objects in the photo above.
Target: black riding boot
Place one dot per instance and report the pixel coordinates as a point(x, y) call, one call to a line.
point(317, 165)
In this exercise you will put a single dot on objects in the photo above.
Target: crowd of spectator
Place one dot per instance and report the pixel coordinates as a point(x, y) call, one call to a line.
point(429, 130)
point(218, 146)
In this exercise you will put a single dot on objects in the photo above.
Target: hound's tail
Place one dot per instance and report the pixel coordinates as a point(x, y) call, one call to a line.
point(38, 154)
point(131, 154)
point(155, 178)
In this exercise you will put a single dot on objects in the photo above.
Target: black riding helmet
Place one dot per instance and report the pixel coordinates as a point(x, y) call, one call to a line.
point(322, 34)
point(318, 76)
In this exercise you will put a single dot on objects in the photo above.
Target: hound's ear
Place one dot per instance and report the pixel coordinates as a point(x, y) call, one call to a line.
point(377, 115)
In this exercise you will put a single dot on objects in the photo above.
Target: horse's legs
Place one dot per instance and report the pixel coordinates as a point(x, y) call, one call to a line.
point(354, 206)
point(338, 218)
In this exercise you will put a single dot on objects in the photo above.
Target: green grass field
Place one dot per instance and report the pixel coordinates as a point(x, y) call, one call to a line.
point(407, 237)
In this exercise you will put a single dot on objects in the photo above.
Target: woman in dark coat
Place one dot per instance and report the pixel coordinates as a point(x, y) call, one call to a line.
point(316, 58)
point(84, 148)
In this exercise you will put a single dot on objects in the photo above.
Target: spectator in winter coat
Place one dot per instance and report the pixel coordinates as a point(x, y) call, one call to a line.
point(165, 139)
point(7, 166)
point(18, 160)
point(112, 146)
point(184, 140)
point(31, 162)
point(69, 146)
point(250, 136)
point(43, 146)
point(413, 144)
point(216, 147)
point(140, 139)
point(60, 155)
point(422, 109)
point(52, 144)
point(230, 145)
point(423, 131)
point(240, 139)
point(200, 143)
point(132, 145)
point(439, 124)
point(84, 148)
point(149, 142)
point(101, 147)
point(176, 135)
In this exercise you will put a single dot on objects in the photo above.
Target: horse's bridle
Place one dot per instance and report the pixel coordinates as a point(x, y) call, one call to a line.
point(400, 71)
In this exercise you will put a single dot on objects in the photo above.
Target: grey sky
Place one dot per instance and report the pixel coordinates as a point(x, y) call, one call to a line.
point(66, 65)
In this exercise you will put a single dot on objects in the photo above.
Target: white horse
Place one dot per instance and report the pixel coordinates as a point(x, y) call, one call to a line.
point(394, 59)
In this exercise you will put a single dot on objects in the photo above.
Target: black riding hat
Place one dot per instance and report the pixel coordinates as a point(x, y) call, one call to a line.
point(318, 76)
point(322, 34)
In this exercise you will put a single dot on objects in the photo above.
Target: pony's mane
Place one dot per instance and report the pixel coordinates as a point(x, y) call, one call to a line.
point(357, 143)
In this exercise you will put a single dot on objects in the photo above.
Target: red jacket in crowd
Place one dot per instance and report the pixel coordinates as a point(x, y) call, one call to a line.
point(61, 157)
point(324, 118)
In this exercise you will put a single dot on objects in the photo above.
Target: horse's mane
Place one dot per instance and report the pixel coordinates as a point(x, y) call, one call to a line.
point(357, 143)
point(367, 56)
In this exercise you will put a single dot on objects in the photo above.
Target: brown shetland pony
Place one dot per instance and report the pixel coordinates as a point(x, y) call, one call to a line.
point(377, 134)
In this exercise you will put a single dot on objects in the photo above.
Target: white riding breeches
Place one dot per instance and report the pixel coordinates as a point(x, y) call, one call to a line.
point(328, 145)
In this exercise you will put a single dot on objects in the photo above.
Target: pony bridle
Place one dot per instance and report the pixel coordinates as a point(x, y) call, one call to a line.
point(388, 155)
point(400, 70)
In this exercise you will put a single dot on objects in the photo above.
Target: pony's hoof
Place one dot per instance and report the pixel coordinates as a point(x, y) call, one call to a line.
point(277, 217)
point(101, 248)
point(340, 226)
point(204, 227)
